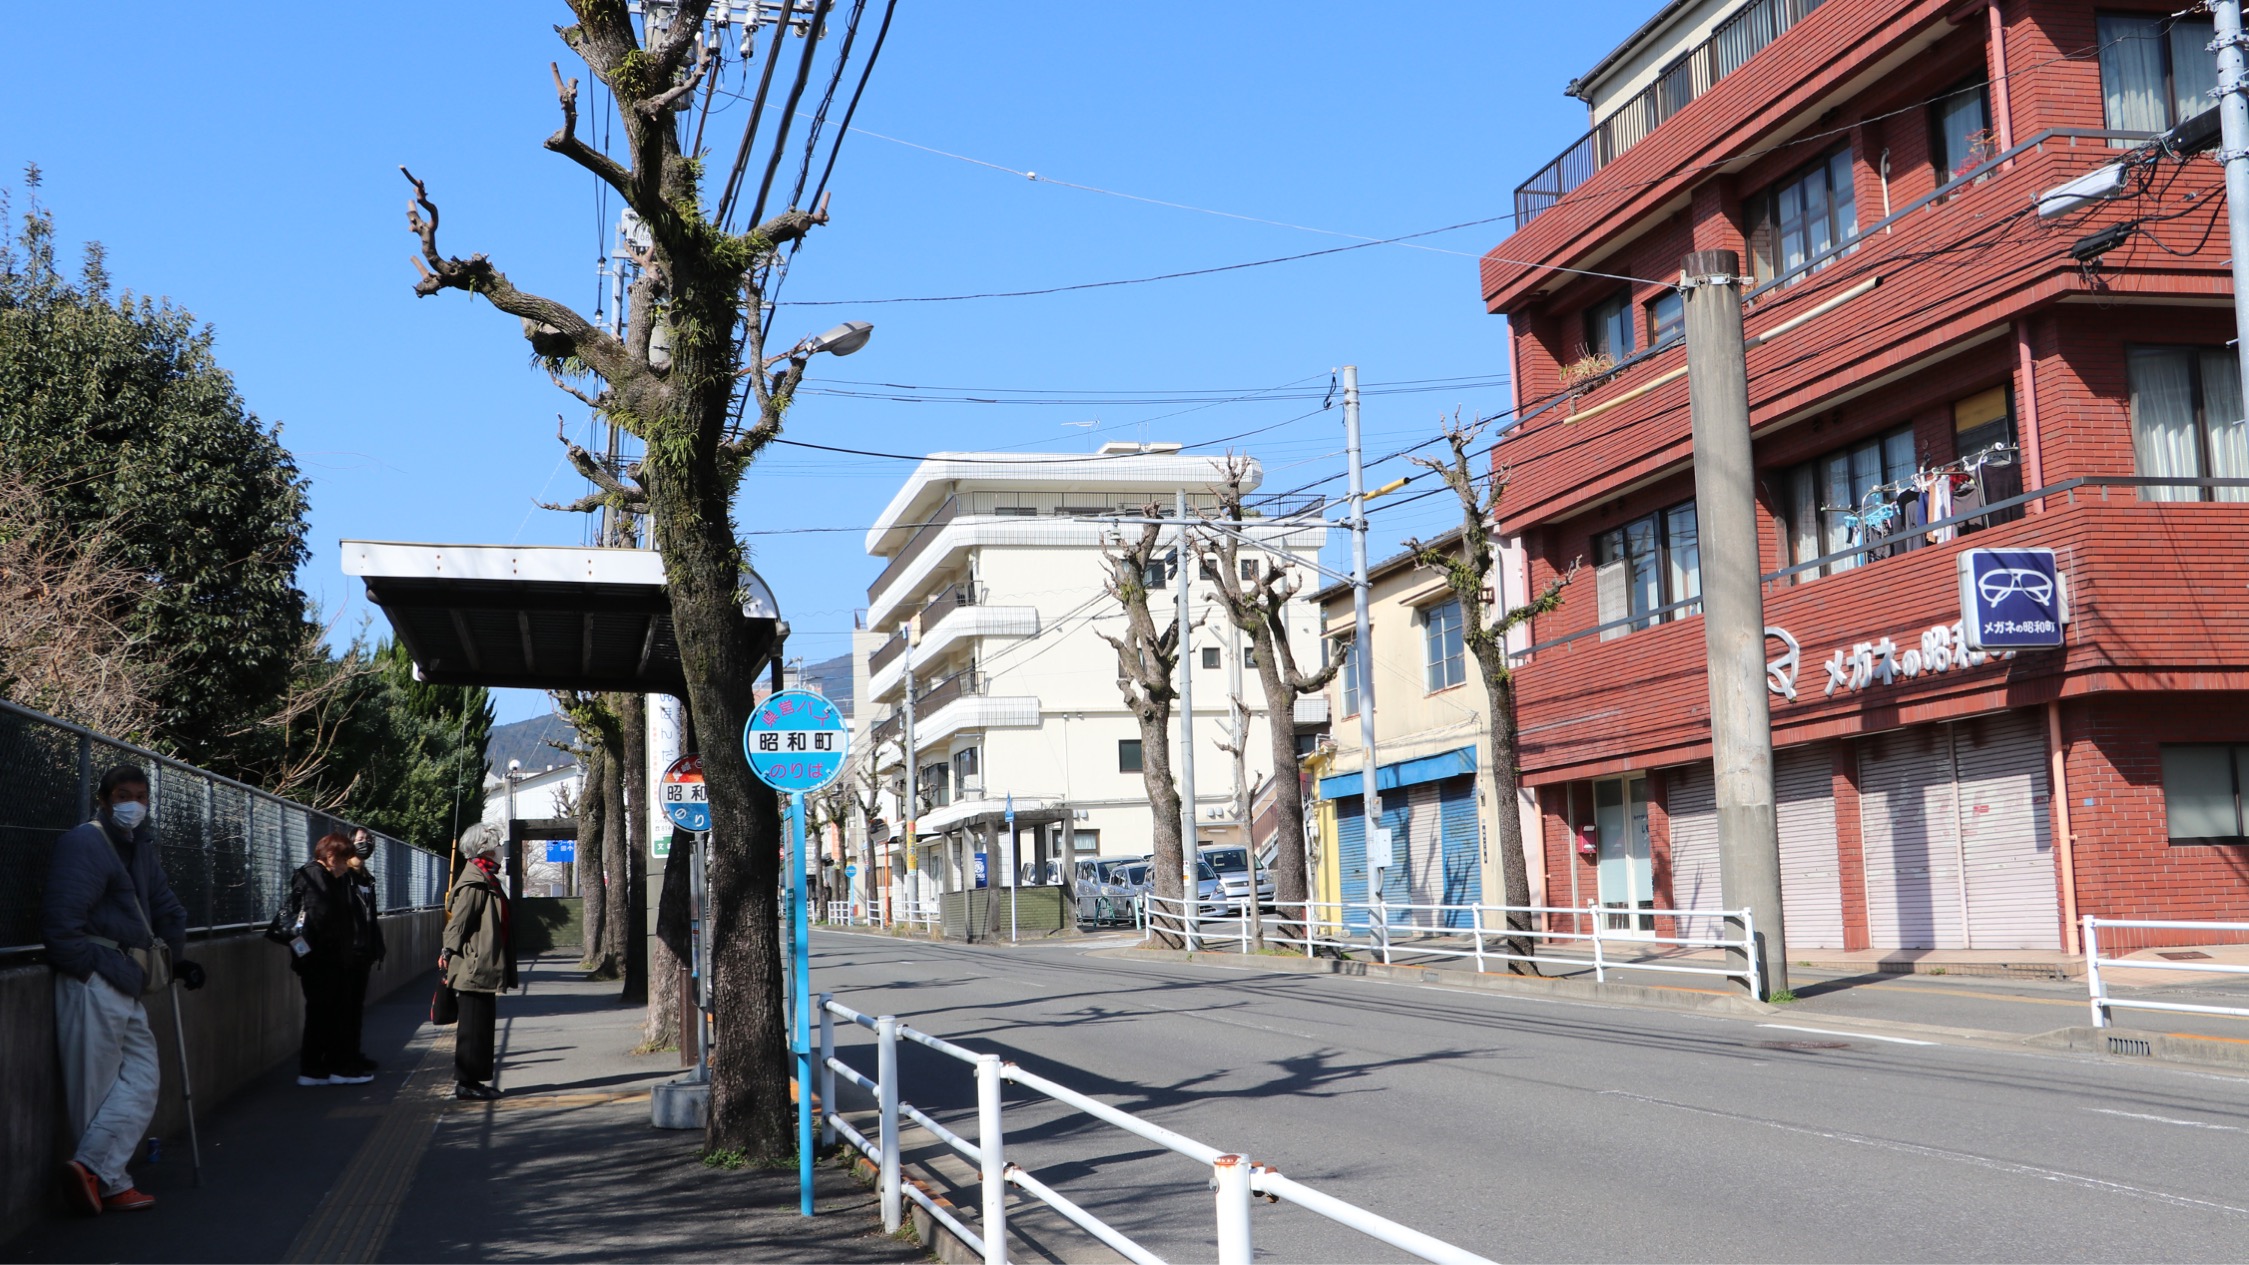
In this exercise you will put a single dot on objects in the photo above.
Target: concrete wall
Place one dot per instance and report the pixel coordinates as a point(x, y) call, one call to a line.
point(248, 1018)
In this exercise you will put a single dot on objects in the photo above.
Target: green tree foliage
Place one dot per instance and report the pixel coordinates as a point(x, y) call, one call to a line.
point(113, 405)
point(419, 751)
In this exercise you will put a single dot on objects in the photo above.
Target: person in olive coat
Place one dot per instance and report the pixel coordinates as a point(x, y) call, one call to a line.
point(478, 960)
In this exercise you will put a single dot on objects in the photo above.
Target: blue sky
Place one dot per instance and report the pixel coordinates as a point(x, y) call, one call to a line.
point(242, 160)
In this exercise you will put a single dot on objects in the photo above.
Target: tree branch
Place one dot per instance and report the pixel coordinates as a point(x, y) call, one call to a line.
point(566, 143)
point(654, 107)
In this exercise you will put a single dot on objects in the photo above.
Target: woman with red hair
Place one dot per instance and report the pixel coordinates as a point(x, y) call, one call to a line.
point(330, 943)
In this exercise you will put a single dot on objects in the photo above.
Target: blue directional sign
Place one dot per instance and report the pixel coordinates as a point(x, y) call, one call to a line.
point(2011, 599)
point(796, 741)
point(562, 850)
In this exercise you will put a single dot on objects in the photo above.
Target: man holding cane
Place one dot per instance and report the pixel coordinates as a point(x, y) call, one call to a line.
point(115, 933)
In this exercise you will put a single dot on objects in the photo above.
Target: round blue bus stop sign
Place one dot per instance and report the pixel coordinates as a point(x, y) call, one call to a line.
point(796, 741)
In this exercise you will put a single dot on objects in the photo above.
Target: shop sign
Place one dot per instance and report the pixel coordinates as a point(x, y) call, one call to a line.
point(1943, 648)
point(2012, 599)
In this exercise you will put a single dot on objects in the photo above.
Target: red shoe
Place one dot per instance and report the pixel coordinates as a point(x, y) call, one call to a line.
point(83, 1188)
point(129, 1199)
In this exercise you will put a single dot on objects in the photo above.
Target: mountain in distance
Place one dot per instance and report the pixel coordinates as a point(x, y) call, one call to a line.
point(527, 740)
point(832, 676)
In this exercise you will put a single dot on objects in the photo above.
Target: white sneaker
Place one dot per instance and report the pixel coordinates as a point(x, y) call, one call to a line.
point(309, 1081)
point(351, 1078)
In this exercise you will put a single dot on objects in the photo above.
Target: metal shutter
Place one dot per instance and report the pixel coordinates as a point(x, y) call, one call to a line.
point(1422, 848)
point(1909, 823)
point(1691, 803)
point(1397, 889)
point(1351, 859)
point(1464, 847)
point(2006, 835)
point(1810, 879)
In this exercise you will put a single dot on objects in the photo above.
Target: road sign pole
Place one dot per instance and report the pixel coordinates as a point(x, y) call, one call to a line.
point(800, 974)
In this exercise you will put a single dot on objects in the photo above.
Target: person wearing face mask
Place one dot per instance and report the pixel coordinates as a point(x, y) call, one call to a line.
point(114, 931)
point(337, 948)
point(367, 949)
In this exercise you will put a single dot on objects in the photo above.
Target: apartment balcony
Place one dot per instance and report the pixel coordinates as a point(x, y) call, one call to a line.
point(1694, 73)
point(956, 616)
point(916, 544)
point(1311, 709)
point(2157, 601)
point(958, 703)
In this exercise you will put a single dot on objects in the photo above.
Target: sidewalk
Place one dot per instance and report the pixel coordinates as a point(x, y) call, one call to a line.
point(565, 1167)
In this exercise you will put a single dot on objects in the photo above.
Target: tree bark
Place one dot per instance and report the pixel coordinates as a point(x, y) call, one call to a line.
point(593, 887)
point(1147, 663)
point(614, 887)
point(632, 718)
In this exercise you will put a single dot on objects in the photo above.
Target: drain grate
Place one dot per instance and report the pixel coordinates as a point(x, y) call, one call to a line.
point(2188, 955)
point(2137, 1047)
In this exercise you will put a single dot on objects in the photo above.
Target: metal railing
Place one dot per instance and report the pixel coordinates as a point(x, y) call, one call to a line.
point(1694, 73)
point(959, 685)
point(1896, 546)
point(915, 544)
point(2096, 984)
point(1236, 1179)
point(887, 652)
point(1468, 932)
point(228, 848)
point(918, 913)
point(947, 600)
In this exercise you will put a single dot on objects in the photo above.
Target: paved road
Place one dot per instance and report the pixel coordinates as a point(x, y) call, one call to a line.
point(1533, 1129)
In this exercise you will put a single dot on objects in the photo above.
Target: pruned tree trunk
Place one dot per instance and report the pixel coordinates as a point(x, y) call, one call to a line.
point(632, 727)
point(1147, 676)
point(615, 914)
point(593, 887)
point(1470, 570)
point(1258, 605)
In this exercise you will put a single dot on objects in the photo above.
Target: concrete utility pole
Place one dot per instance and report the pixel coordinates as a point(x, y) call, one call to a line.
point(2233, 142)
point(1733, 605)
point(1189, 854)
point(1378, 844)
point(908, 809)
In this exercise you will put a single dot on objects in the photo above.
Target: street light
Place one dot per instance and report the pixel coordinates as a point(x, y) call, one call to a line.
point(840, 341)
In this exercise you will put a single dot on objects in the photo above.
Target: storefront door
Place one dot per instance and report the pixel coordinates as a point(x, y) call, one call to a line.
point(1627, 875)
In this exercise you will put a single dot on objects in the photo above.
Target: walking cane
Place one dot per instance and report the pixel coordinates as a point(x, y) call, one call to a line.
point(187, 1086)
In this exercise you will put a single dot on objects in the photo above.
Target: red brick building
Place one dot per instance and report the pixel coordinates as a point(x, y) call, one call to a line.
point(1890, 151)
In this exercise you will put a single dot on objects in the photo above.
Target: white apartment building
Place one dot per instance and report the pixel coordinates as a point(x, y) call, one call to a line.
point(993, 570)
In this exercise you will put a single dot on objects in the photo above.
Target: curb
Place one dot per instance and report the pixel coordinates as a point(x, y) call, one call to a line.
point(2160, 1047)
point(1654, 996)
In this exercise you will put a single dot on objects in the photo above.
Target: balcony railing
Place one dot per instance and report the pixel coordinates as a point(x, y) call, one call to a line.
point(949, 599)
point(887, 651)
point(890, 730)
point(1742, 37)
point(958, 685)
point(915, 544)
point(1880, 548)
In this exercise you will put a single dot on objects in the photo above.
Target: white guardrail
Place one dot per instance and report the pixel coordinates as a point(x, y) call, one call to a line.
point(1235, 1177)
point(2097, 984)
point(920, 913)
point(1470, 932)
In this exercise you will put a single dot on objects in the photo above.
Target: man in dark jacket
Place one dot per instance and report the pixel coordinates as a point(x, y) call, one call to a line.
point(106, 892)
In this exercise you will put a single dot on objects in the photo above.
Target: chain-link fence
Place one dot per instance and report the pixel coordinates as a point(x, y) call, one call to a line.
point(228, 849)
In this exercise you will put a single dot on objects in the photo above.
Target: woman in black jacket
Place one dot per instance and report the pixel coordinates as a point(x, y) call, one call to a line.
point(335, 937)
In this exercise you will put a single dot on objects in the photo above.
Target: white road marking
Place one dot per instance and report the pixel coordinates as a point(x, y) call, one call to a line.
point(2191, 1124)
point(1244, 1023)
point(1855, 1036)
point(1957, 1157)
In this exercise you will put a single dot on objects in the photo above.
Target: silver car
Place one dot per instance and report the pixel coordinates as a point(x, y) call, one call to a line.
point(1231, 861)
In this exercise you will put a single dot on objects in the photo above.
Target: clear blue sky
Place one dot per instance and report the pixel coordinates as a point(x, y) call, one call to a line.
point(241, 159)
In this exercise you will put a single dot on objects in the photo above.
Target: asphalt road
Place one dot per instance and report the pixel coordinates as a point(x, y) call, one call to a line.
point(1531, 1129)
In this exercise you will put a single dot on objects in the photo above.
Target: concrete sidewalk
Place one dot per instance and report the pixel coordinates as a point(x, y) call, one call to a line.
point(565, 1167)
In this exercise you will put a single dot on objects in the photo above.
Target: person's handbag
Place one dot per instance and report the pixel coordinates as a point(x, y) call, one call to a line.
point(444, 1004)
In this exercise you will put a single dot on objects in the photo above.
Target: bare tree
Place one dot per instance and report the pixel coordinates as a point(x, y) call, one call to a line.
point(66, 645)
point(631, 711)
point(1257, 603)
point(602, 825)
point(703, 287)
point(1147, 676)
point(1470, 571)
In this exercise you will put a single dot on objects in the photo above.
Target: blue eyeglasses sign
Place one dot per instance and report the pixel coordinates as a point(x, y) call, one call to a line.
point(2012, 599)
point(796, 742)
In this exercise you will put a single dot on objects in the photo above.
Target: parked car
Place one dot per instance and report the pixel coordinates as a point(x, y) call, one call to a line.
point(1210, 896)
point(1099, 900)
point(1231, 861)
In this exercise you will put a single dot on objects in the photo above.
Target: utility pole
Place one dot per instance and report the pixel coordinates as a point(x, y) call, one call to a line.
point(1190, 887)
point(1733, 605)
point(1362, 620)
point(908, 809)
point(2233, 142)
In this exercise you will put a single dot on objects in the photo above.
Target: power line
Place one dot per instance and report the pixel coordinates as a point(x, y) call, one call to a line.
point(1049, 461)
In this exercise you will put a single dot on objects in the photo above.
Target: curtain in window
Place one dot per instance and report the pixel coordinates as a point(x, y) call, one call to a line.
point(2222, 412)
point(2194, 68)
point(1682, 544)
point(2132, 74)
point(2164, 443)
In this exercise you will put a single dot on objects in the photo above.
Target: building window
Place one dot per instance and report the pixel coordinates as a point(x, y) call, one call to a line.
point(1645, 565)
point(1015, 511)
point(966, 769)
point(1960, 131)
point(1834, 503)
point(1444, 663)
point(1154, 577)
point(1128, 755)
point(1349, 676)
point(1210, 656)
point(1983, 424)
point(1667, 317)
point(1608, 328)
point(1207, 569)
point(1803, 217)
point(2155, 71)
point(2202, 794)
point(1249, 568)
point(2187, 420)
point(1249, 656)
point(933, 784)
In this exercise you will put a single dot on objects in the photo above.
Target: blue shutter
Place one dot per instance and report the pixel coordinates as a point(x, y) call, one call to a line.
point(1397, 881)
point(1351, 860)
point(1464, 850)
